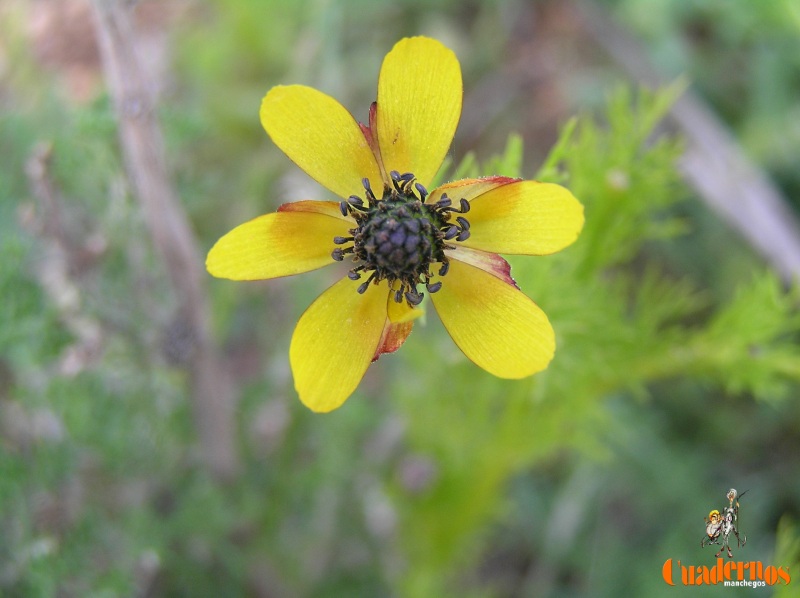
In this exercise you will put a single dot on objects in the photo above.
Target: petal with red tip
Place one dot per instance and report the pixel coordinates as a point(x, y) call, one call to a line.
point(393, 337)
point(398, 325)
point(490, 262)
point(328, 208)
point(469, 189)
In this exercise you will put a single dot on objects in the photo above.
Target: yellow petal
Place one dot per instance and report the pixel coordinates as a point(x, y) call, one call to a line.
point(321, 137)
point(524, 217)
point(419, 104)
point(278, 244)
point(334, 343)
point(493, 323)
point(490, 262)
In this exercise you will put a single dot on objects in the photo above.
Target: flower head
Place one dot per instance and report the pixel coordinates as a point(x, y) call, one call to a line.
point(401, 240)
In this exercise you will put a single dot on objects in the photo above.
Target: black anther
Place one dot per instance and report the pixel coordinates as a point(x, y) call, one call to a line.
point(451, 232)
point(432, 288)
point(444, 202)
point(413, 298)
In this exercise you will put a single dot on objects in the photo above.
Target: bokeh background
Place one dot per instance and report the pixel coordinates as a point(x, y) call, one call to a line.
point(151, 443)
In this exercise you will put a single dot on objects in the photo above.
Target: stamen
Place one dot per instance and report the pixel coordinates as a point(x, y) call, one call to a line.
point(398, 237)
point(432, 288)
point(368, 191)
point(365, 285)
point(413, 298)
point(444, 202)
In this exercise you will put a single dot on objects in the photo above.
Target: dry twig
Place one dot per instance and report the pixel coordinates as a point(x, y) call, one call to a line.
point(714, 164)
point(144, 154)
point(734, 187)
point(62, 259)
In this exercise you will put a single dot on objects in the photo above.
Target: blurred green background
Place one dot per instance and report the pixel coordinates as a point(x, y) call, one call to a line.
point(676, 375)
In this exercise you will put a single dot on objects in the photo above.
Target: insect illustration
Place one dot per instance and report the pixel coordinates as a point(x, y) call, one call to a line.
point(720, 525)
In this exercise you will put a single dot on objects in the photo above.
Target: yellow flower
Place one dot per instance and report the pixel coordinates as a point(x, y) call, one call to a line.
point(398, 237)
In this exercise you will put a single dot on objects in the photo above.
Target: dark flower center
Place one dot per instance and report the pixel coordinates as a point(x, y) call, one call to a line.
point(399, 237)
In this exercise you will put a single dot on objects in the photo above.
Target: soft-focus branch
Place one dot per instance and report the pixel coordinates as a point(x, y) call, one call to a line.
point(143, 151)
point(714, 163)
point(56, 272)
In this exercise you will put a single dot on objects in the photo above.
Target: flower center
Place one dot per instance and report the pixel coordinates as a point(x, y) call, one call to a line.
point(398, 237)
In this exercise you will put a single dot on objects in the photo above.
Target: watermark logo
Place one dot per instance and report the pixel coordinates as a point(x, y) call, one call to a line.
point(751, 574)
point(721, 526)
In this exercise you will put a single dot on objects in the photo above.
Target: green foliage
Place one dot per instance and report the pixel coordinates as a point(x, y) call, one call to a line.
point(619, 329)
point(624, 184)
point(787, 550)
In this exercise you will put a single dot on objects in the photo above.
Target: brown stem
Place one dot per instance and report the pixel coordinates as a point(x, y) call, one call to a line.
point(714, 163)
point(144, 155)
